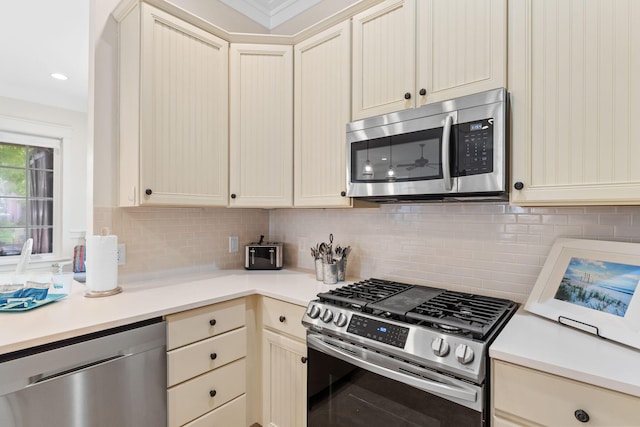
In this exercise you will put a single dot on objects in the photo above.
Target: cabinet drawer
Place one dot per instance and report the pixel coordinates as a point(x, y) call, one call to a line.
point(195, 359)
point(191, 399)
point(195, 325)
point(228, 415)
point(551, 400)
point(283, 317)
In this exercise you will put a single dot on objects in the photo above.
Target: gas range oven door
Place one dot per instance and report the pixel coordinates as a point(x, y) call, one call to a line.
point(350, 386)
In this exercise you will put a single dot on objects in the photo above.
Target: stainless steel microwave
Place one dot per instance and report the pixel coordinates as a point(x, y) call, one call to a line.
point(448, 150)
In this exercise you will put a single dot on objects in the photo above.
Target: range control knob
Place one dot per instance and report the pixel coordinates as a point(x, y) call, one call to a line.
point(440, 347)
point(327, 316)
point(313, 311)
point(464, 354)
point(341, 320)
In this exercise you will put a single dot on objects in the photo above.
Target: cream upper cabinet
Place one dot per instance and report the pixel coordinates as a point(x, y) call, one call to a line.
point(261, 125)
point(575, 92)
point(409, 53)
point(322, 108)
point(173, 112)
point(462, 48)
point(526, 397)
point(383, 58)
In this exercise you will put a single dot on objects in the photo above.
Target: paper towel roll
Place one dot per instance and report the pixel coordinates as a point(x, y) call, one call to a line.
point(102, 263)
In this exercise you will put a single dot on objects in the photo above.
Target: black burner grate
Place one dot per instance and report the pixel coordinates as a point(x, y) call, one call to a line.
point(452, 312)
point(358, 295)
point(470, 313)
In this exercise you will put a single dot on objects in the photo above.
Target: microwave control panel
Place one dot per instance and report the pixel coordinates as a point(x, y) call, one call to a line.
point(475, 147)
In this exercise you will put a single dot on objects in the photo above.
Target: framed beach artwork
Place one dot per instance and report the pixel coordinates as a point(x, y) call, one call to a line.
point(593, 286)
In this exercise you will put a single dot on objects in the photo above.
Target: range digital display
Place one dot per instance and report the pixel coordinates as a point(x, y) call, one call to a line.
point(380, 331)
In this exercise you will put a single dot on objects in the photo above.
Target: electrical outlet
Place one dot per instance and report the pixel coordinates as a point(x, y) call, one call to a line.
point(302, 244)
point(233, 244)
point(122, 254)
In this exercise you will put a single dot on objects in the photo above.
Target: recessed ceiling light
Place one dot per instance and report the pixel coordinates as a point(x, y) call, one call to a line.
point(59, 76)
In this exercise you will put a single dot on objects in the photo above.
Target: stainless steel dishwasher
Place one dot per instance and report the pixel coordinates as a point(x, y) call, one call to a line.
point(107, 379)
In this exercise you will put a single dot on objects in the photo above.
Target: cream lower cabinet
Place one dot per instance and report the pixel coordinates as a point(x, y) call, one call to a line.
point(409, 53)
point(206, 366)
point(526, 397)
point(322, 108)
point(261, 125)
point(575, 96)
point(284, 369)
point(173, 80)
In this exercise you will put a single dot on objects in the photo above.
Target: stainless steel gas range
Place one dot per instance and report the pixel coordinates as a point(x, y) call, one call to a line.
point(384, 353)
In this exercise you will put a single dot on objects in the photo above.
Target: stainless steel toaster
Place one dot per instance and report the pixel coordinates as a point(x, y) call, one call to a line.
point(263, 256)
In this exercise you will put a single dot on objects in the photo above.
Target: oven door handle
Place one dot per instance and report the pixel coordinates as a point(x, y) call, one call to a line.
point(367, 360)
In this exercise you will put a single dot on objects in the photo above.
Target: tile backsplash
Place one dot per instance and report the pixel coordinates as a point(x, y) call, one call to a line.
point(489, 248)
point(162, 239)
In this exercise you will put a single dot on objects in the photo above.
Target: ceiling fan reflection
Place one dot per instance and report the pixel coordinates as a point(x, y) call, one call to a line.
point(420, 162)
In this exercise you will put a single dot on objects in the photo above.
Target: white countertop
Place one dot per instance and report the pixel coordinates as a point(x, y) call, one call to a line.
point(77, 315)
point(542, 344)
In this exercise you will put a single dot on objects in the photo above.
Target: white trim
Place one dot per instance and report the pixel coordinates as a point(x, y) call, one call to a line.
point(31, 132)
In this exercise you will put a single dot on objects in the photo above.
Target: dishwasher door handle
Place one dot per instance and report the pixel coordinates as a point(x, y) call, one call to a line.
point(48, 376)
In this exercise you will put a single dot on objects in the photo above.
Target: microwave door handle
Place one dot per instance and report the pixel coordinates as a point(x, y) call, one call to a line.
point(446, 136)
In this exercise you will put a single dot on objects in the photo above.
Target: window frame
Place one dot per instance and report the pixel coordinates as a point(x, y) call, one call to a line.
point(35, 133)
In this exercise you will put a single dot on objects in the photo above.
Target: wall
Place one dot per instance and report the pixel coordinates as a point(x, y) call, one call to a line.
point(161, 239)
point(488, 248)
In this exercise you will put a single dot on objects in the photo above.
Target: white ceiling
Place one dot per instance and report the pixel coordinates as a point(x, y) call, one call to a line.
point(40, 37)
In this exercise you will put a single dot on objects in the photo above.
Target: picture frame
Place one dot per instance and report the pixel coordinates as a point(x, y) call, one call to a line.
point(593, 286)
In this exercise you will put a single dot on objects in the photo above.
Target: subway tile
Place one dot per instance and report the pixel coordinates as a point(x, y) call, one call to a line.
point(490, 248)
point(554, 219)
point(615, 219)
point(582, 219)
point(529, 219)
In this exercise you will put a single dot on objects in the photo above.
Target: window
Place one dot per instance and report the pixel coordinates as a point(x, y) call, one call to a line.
point(29, 168)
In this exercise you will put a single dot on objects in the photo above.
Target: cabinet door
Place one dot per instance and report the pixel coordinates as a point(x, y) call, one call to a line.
point(322, 89)
point(284, 381)
point(539, 398)
point(573, 68)
point(261, 126)
point(384, 59)
point(461, 48)
point(183, 136)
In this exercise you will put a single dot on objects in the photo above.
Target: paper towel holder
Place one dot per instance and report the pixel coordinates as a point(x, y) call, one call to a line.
point(92, 293)
point(96, 294)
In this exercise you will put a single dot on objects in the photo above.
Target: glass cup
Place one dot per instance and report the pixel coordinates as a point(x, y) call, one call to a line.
point(62, 283)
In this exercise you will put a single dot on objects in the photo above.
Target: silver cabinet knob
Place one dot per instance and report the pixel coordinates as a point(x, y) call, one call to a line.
point(440, 347)
point(464, 354)
point(341, 320)
point(327, 316)
point(313, 311)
